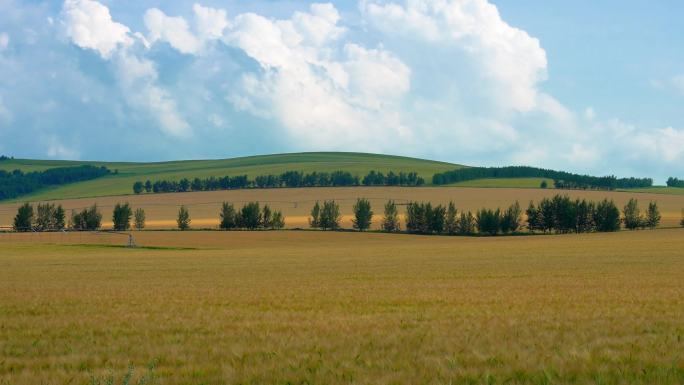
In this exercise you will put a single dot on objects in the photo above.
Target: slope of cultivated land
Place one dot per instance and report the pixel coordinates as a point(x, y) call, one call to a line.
point(296, 203)
point(128, 173)
point(340, 308)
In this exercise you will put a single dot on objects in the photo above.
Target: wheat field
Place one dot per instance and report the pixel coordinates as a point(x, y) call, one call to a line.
point(296, 203)
point(305, 307)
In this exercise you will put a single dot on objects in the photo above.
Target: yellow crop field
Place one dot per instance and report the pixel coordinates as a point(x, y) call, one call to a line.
point(161, 209)
point(304, 307)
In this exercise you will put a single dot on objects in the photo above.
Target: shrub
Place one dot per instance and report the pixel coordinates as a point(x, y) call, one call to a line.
point(122, 216)
point(363, 215)
point(139, 219)
point(390, 221)
point(183, 220)
point(23, 221)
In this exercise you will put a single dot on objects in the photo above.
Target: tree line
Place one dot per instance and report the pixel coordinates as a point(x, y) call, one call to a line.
point(49, 217)
point(286, 179)
point(17, 183)
point(675, 182)
point(561, 179)
point(558, 214)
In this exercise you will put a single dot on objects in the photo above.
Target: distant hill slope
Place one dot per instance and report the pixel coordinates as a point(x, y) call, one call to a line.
point(252, 166)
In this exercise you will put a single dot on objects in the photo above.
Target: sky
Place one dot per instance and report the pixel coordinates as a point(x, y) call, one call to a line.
point(584, 86)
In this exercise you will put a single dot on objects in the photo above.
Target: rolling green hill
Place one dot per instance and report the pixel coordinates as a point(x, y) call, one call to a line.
point(128, 173)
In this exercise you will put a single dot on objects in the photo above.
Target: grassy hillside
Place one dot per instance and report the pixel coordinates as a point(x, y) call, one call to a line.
point(252, 166)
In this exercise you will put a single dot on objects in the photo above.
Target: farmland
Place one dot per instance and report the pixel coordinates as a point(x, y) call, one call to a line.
point(296, 203)
point(128, 173)
point(307, 307)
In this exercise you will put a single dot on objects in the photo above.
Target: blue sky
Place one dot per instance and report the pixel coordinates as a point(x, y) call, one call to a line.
point(592, 87)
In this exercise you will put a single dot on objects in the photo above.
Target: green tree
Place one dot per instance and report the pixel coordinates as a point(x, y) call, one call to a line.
point(466, 223)
point(417, 218)
point(88, 219)
point(228, 217)
point(451, 220)
point(330, 216)
point(250, 216)
point(533, 217)
point(183, 220)
point(278, 220)
point(121, 216)
point(139, 219)
point(681, 223)
point(488, 221)
point(315, 220)
point(631, 215)
point(363, 215)
point(510, 219)
point(45, 217)
point(390, 220)
point(544, 184)
point(266, 217)
point(59, 218)
point(148, 186)
point(138, 187)
point(23, 221)
point(606, 216)
point(435, 218)
point(653, 217)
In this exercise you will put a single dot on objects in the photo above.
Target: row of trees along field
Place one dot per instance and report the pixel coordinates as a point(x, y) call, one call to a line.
point(675, 182)
point(17, 183)
point(559, 214)
point(49, 217)
point(286, 179)
point(561, 179)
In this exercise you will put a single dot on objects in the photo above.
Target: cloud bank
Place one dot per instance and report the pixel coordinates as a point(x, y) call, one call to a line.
point(447, 79)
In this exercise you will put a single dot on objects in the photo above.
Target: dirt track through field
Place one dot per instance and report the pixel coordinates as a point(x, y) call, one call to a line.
point(296, 204)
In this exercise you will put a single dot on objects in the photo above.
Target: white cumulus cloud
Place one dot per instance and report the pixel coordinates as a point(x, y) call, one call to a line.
point(173, 30)
point(89, 25)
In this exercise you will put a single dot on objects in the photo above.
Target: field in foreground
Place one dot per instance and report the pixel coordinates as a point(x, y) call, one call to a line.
point(339, 308)
point(162, 209)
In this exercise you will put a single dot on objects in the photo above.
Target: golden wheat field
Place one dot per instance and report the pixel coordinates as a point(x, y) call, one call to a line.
point(309, 307)
point(161, 209)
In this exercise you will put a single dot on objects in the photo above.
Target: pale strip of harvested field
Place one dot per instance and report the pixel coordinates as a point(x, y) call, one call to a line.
point(296, 203)
point(339, 308)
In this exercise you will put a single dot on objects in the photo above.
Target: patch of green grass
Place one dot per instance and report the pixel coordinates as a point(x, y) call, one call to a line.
point(658, 190)
point(505, 183)
point(128, 173)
